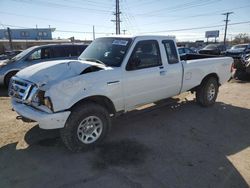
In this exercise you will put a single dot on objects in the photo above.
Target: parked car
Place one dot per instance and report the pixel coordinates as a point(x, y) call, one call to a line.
point(184, 51)
point(3, 57)
point(241, 67)
point(112, 76)
point(9, 54)
point(237, 51)
point(38, 54)
point(12, 53)
point(213, 49)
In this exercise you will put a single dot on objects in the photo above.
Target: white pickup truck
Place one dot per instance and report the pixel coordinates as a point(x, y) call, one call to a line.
point(112, 76)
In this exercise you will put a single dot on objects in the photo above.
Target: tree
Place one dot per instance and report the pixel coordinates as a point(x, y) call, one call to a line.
point(241, 38)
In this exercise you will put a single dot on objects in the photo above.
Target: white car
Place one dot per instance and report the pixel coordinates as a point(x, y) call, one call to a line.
point(112, 76)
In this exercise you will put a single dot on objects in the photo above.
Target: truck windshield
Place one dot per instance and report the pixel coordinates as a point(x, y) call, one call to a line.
point(109, 51)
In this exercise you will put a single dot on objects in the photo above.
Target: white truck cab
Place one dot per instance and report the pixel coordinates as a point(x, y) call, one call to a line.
point(113, 75)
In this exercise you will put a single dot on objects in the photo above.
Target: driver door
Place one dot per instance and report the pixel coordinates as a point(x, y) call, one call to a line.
point(143, 75)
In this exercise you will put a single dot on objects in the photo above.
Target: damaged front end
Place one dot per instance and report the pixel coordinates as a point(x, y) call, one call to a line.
point(30, 102)
point(43, 93)
point(28, 93)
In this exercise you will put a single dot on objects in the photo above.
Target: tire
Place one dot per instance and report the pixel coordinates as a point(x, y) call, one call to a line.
point(8, 77)
point(85, 121)
point(207, 92)
point(240, 75)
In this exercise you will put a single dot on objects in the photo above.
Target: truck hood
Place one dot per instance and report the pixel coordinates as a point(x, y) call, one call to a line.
point(46, 72)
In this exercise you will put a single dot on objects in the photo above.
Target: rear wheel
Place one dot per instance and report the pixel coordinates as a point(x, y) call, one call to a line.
point(8, 77)
point(207, 92)
point(86, 126)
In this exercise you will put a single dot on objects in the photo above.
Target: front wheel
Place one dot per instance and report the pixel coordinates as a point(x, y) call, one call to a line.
point(207, 92)
point(86, 126)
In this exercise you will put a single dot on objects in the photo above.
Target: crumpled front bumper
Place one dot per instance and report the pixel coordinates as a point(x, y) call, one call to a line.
point(44, 119)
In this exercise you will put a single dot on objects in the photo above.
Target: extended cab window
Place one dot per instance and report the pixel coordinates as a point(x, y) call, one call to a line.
point(170, 51)
point(145, 54)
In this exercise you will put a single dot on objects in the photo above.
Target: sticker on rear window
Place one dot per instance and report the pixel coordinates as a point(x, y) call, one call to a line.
point(120, 42)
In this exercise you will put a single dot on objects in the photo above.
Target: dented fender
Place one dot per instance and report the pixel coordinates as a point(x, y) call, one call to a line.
point(66, 93)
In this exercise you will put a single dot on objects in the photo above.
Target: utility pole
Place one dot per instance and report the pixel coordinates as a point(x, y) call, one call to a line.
point(117, 17)
point(226, 20)
point(93, 32)
point(10, 38)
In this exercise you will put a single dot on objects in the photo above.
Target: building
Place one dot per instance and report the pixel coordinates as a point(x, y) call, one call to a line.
point(28, 34)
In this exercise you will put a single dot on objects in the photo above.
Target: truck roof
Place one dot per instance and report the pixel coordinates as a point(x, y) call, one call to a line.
point(142, 36)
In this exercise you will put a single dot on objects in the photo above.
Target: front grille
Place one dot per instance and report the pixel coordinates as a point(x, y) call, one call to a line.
point(20, 89)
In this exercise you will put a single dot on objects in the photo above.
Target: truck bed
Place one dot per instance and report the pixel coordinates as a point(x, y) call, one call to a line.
point(199, 66)
point(197, 56)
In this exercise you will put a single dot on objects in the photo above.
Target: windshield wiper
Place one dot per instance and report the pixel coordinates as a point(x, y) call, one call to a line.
point(94, 60)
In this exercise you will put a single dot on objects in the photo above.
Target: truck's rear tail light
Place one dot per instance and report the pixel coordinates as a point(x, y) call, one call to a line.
point(233, 68)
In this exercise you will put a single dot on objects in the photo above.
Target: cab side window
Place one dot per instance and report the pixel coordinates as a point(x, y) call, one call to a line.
point(36, 55)
point(171, 51)
point(46, 53)
point(59, 51)
point(70, 51)
point(146, 54)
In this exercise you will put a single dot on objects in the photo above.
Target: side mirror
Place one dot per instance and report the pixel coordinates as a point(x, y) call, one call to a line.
point(133, 63)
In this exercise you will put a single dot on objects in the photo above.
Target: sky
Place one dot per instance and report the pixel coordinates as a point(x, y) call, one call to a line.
point(186, 19)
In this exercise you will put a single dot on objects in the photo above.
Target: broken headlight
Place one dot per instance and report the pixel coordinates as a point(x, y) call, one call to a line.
point(48, 103)
point(39, 99)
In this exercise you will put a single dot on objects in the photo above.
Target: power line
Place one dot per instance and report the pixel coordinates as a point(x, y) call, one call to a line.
point(131, 21)
point(62, 31)
point(215, 13)
point(195, 28)
point(176, 30)
point(49, 19)
point(58, 5)
point(91, 3)
point(183, 6)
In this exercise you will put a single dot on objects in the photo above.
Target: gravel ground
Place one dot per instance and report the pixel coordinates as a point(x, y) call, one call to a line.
point(175, 143)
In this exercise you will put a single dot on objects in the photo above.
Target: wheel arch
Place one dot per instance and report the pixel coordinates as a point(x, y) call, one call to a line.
point(7, 73)
point(211, 75)
point(98, 99)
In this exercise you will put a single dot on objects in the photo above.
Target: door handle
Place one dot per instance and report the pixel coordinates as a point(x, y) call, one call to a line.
point(163, 72)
